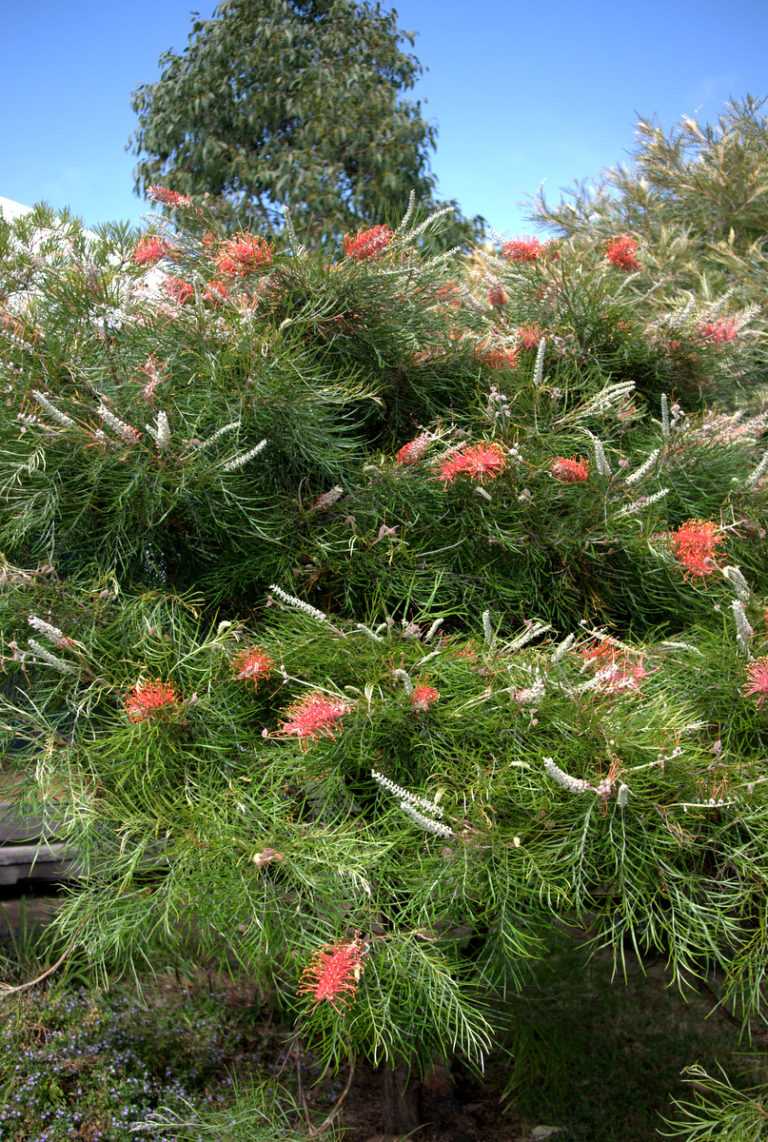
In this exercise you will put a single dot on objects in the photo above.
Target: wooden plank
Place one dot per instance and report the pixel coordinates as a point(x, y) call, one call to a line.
point(14, 826)
point(38, 862)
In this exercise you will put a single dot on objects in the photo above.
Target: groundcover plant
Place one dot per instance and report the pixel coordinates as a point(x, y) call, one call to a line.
point(376, 616)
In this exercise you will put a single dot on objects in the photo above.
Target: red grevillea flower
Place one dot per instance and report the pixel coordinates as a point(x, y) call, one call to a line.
point(314, 715)
point(153, 371)
point(484, 461)
point(179, 290)
point(757, 673)
point(529, 336)
point(522, 249)
point(333, 972)
point(450, 293)
point(252, 664)
point(215, 291)
point(450, 466)
point(496, 358)
point(150, 249)
point(167, 197)
point(413, 450)
point(366, 243)
point(243, 254)
point(480, 461)
point(621, 253)
point(570, 469)
point(617, 670)
point(695, 543)
point(496, 296)
point(720, 332)
point(150, 699)
point(423, 696)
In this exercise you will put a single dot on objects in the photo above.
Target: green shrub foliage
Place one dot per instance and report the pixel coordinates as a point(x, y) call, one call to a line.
point(374, 615)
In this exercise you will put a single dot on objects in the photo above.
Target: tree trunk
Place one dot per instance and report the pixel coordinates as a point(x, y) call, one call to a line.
point(400, 1101)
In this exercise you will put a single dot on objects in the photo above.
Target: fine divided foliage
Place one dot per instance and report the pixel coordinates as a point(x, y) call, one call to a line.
point(374, 616)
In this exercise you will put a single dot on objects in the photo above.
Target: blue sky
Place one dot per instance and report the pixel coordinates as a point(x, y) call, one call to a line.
point(522, 93)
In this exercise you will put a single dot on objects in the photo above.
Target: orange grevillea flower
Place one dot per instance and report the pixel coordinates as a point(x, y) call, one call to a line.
point(314, 715)
point(479, 461)
point(414, 449)
point(149, 699)
point(366, 243)
point(333, 972)
point(252, 664)
point(167, 197)
point(695, 543)
point(570, 469)
point(150, 249)
point(757, 673)
point(621, 253)
point(522, 249)
point(243, 254)
point(423, 696)
point(179, 290)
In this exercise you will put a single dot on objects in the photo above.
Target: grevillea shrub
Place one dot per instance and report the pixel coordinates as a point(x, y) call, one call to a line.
point(372, 635)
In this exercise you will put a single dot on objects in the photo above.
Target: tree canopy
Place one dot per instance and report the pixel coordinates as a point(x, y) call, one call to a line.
point(277, 103)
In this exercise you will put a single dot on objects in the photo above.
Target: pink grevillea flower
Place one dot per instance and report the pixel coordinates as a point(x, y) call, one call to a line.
point(243, 254)
point(252, 664)
point(167, 197)
point(178, 290)
point(720, 332)
point(479, 461)
point(423, 696)
point(333, 972)
point(149, 700)
point(695, 543)
point(314, 715)
point(570, 469)
point(522, 249)
point(757, 673)
point(413, 451)
point(366, 243)
point(621, 253)
point(150, 249)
